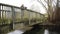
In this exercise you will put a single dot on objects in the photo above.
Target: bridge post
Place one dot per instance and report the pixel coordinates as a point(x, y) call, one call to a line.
point(36, 17)
point(13, 17)
point(0, 11)
point(29, 18)
point(22, 12)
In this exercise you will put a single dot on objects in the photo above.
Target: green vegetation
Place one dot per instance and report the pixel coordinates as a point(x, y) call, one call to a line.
point(5, 21)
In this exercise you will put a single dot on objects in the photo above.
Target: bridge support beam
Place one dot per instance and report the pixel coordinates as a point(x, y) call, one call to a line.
point(13, 17)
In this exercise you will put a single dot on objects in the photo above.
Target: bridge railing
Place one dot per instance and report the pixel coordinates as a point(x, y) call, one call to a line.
point(12, 14)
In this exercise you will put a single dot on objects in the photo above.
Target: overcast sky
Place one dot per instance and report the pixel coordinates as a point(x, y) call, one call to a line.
point(30, 4)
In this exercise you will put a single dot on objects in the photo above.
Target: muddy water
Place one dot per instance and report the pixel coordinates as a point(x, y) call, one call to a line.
point(35, 30)
point(46, 31)
point(16, 32)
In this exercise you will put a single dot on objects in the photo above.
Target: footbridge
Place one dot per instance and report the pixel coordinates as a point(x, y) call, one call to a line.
point(12, 18)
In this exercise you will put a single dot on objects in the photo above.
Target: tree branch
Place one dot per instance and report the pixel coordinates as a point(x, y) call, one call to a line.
point(42, 4)
point(45, 1)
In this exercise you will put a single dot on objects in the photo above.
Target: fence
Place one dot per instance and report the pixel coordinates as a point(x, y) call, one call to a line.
point(12, 14)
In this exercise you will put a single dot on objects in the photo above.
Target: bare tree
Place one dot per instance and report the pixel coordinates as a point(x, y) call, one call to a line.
point(57, 12)
point(53, 16)
point(49, 9)
point(42, 4)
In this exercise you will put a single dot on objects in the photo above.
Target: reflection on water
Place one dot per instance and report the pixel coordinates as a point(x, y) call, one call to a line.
point(21, 32)
point(46, 31)
point(35, 30)
point(16, 32)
